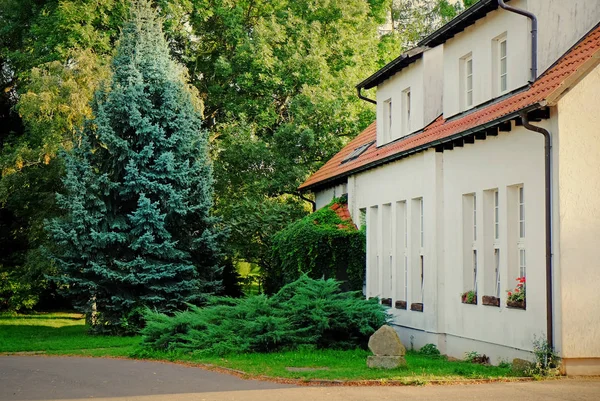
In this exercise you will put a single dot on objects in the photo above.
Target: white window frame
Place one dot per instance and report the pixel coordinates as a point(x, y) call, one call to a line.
point(387, 120)
point(406, 110)
point(468, 81)
point(474, 243)
point(497, 250)
point(522, 255)
point(421, 248)
point(405, 298)
point(502, 63)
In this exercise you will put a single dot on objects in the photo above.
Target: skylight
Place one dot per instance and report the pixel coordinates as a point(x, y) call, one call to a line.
point(357, 152)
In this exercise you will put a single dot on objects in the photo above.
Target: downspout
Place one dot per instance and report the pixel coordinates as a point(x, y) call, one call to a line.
point(548, 195)
point(360, 96)
point(534, 29)
point(312, 202)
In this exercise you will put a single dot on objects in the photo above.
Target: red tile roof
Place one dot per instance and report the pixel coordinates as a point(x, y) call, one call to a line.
point(341, 209)
point(545, 91)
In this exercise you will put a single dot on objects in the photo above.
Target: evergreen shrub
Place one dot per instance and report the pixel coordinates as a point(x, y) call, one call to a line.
point(321, 245)
point(306, 312)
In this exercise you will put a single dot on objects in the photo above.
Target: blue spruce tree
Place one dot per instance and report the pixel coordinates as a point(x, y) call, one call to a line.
point(137, 230)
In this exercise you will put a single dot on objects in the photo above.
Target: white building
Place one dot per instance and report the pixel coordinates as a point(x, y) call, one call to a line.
point(452, 182)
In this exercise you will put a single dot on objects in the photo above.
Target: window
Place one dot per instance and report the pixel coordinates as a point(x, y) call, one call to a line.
point(387, 120)
point(503, 67)
point(406, 106)
point(470, 260)
point(357, 152)
point(373, 263)
point(521, 240)
point(387, 259)
point(401, 251)
point(496, 241)
point(421, 249)
point(469, 81)
point(417, 254)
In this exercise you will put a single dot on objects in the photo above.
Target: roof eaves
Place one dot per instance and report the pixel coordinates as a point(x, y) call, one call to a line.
point(391, 68)
point(423, 147)
point(459, 23)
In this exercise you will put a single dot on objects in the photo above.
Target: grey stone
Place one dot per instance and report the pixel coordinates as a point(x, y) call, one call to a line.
point(385, 342)
point(385, 362)
point(521, 365)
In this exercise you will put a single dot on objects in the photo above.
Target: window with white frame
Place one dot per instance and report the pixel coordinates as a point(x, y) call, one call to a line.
point(401, 251)
point(387, 120)
point(470, 242)
point(521, 240)
point(497, 240)
point(421, 248)
point(502, 65)
point(466, 64)
point(406, 110)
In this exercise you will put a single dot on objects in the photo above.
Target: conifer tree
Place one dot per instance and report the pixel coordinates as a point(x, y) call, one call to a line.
point(136, 230)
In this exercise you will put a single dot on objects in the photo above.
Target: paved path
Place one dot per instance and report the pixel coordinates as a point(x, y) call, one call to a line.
point(53, 378)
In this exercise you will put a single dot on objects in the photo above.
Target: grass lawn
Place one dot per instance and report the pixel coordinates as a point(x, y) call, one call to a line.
point(58, 333)
point(65, 334)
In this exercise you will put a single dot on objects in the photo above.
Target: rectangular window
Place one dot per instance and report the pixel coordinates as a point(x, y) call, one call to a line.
point(497, 270)
point(470, 245)
point(421, 223)
point(417, 254)
point(387, 120)
point(521, 240)
point(503, 67)
point(406, 109)
point(496, 216)
point(469, 81)
point(401, 252)
point(373, 267)
point(386, 242)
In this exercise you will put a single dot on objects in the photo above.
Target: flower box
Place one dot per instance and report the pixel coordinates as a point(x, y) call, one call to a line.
point(401, 305)
point(469, 298)
point(417, 307)
point(516, 304)
point(490, 300)
point(386, 301)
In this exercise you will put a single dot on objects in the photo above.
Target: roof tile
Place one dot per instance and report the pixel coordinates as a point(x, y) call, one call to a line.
point(547, 86)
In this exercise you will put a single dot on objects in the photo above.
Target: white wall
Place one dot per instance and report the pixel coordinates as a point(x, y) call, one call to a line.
point(477, 40)
point(579, 206)
point(560, 25)
point(501, 162)
point(514, 158)
point(326, 195)
point(405, 180)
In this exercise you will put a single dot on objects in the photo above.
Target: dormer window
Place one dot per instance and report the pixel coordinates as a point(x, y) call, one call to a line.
point(387, 120)
point(406, 111)
point(466, 64)
point(500, 65)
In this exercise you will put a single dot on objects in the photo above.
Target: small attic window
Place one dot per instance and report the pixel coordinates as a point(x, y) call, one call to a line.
point(357, 152)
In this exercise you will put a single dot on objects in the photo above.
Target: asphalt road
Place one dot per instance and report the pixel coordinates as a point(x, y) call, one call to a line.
point(54, 378)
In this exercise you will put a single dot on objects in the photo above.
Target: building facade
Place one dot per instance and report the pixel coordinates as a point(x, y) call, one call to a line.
point(452, 183)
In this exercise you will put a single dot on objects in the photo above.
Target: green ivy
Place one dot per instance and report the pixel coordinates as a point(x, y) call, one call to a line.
point(320, 245)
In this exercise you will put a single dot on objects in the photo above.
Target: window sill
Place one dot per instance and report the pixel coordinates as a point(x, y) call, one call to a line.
point(490, 301)
point(516, 305)
point(386, 301)
point(417, 307)
point(400, 305)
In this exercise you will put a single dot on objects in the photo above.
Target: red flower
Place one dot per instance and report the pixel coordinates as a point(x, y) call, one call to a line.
point(509, 293)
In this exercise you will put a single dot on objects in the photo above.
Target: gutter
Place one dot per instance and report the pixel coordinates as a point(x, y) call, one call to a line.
point(548, 205)
point(425, 146)
point(360, 96)
point(534, 30)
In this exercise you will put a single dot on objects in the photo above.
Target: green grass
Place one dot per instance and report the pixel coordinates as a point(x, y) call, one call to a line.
point(346, 365)
point(59, 334)
point(65, 334)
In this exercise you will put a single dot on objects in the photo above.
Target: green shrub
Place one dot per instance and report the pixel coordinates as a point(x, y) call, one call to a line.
point(430, 350)
point(304, 313)
point(321, 245)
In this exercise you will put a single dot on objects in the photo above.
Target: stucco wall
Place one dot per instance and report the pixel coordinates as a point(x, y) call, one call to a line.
point(477, 40)
point(560, 25)
point(579, 205)
point(441, 179)
point(326, 195)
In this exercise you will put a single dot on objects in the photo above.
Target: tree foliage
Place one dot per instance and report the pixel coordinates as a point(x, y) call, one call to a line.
point(305, 312)
point(137, 229)
point(319, 245)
